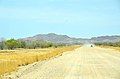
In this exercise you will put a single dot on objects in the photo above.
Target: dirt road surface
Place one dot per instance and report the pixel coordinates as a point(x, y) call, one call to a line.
point(82, 63)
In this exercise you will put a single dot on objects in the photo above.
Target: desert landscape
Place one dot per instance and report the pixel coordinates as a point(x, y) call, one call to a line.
point(59, 39)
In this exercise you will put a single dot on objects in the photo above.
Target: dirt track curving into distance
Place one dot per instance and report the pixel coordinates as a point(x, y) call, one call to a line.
point(82, 63)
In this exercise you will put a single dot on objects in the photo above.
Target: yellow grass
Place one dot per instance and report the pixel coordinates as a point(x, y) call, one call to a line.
point(10, 60)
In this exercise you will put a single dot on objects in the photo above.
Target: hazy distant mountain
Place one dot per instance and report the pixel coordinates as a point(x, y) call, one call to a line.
point(55, 38)
point(52, 37)
point(106, 39)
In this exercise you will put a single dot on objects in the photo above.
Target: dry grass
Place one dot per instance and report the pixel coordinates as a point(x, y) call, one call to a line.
point(10, 60)
point(111, 47)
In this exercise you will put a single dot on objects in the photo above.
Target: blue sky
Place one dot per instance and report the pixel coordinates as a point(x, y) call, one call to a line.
point(76, 18)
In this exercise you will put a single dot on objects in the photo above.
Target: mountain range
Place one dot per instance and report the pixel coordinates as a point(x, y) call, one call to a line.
point(55, 38)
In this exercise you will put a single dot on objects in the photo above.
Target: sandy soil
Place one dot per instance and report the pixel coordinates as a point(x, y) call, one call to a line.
point(82, 63)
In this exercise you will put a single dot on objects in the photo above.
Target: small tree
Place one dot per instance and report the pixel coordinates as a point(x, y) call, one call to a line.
point(11, 44)
point(21, 44)
point(2, 45)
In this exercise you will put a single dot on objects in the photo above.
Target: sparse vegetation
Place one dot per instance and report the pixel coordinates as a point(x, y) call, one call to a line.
point(12, 44)
point(117, 44)
point(15, 53)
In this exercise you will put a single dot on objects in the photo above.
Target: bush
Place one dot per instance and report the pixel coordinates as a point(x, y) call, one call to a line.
point(2, 45)
point(11, 44)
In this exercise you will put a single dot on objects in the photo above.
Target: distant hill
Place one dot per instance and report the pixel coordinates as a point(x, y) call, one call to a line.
point(52, 37)
point(55, 38)
point(106, 39)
